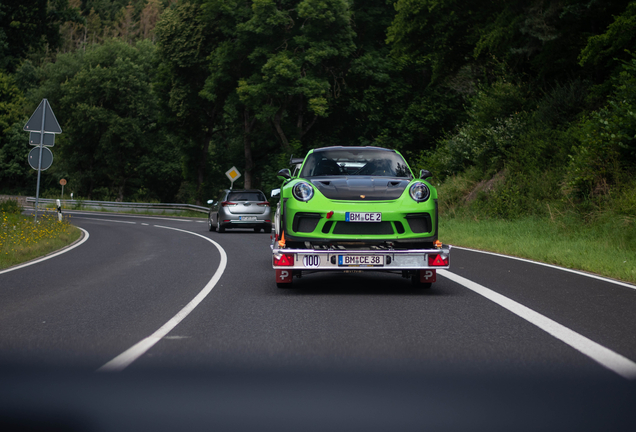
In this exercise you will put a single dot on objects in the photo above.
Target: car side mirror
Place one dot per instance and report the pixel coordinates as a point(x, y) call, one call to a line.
point(424, 174)
point(284, 173)
point(275, 192)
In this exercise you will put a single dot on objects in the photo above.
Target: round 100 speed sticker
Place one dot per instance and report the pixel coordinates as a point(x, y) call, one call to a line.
point(311, 260)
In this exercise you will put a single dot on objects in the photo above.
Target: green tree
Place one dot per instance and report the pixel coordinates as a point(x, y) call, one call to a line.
point(105, 102)
point(14, 168)
point(30, 24)
point(287, 61)
point(607, 48)
point(184, 42)
point(606, 153)
point(300, 61)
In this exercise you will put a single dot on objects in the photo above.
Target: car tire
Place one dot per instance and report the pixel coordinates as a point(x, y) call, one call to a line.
point(210, 226)
point(219, 228)
point(268, 228)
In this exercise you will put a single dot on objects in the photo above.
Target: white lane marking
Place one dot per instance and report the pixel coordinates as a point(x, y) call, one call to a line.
point(133, 353)
point(578, 272)
point(604, 356)
point(107, 220)
point(53, 255)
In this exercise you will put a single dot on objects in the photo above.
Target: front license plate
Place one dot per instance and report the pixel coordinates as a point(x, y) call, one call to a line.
point(363, 217)
point(247, 218)
point(361, 260)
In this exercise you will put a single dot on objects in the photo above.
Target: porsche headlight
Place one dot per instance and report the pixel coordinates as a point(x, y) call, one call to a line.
point(303, 191)
point(419, 192)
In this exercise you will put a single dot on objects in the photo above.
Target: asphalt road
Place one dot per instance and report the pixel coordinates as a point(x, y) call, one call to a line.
point(495, 339)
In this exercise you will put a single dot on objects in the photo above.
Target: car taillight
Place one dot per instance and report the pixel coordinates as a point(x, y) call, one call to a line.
point(228, 203)
point(264, 204)
point(437, 260)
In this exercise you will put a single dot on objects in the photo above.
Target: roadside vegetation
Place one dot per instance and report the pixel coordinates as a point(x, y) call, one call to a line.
point(602, 248)
point(21, 239)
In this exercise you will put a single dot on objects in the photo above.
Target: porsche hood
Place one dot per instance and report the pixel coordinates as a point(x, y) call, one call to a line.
point(360, 189)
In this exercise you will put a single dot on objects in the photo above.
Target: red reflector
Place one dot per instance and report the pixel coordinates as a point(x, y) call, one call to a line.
point(437, 260)
point(284, 260)
point(329, 215)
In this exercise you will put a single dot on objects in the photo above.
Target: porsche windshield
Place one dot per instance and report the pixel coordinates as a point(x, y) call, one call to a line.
point(355, 162)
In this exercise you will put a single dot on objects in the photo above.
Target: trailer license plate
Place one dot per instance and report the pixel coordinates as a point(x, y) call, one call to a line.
point(361, 260)
point(363, 217)
point(247, 218)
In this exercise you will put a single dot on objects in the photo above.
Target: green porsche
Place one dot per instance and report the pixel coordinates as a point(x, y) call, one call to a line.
point(357, 207)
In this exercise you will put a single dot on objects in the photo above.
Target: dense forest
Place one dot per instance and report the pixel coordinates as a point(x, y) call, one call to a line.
point(516, 103)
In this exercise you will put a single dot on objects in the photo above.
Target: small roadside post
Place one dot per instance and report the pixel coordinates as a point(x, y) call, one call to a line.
point(42, 127)
point(59, 210)
point(232, 174)
point(62, 182)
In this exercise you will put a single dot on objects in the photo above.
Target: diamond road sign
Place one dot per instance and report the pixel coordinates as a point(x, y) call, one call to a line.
point(233, 174)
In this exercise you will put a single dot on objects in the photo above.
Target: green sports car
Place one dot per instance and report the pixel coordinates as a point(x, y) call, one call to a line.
point(365, 203)
point(361, 195)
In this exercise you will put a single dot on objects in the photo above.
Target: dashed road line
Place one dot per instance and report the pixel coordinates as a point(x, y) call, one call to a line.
point(107, 220)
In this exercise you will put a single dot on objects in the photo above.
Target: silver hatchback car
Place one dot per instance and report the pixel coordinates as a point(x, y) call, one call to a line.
point(240, 209)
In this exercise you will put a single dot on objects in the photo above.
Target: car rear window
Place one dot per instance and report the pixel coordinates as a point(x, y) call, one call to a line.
point(355, 162)
point(246, 196)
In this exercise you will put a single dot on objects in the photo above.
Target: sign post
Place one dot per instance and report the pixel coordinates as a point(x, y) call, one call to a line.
point(42, 127)
point(232, 174)
point(63, 182)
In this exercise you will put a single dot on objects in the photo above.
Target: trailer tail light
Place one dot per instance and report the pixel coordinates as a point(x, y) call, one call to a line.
point(228, 203)
point(437, 260)
point(284, 260)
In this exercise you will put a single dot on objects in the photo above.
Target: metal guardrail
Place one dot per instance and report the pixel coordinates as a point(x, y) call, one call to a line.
point(92, 204)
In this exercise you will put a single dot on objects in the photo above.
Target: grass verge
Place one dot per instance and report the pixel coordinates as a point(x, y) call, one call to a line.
point(21, 239)
point(605, 247)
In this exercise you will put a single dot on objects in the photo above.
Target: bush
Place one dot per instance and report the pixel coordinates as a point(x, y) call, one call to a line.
point(606, 152)
point(562, 104)
point(10, 206)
